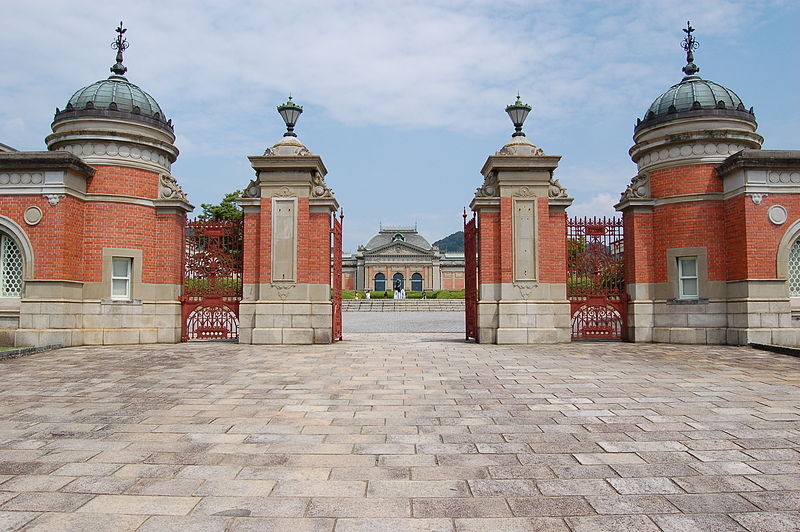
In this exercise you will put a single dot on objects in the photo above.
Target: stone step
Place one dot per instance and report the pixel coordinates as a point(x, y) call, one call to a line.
point(403, 305)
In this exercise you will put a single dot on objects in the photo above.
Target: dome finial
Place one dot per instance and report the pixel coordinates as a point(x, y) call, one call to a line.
point(120, 45)
point(689, 44)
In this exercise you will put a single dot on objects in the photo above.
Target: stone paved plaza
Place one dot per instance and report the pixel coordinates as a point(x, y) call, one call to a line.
point(411, 432)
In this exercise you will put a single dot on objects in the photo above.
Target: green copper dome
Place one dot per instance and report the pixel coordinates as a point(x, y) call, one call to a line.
point(692, 93)
point(119, 91)
point(694, 96)
point(115, 97)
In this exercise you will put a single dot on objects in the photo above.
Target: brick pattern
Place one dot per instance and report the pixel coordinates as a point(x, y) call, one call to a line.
point(417, 434)
point(496, 245)
point(638, 238)
point(678, 180)
point(124, 181)
point(251, 248)
point(752, 240)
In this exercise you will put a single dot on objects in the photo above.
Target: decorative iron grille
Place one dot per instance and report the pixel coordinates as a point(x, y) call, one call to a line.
point(794, 270)
point(596, 278)
point(11, 268)
point(212, 282)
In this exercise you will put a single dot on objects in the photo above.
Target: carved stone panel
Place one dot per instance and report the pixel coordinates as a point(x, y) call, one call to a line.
point(284, 222)
point(525, 240)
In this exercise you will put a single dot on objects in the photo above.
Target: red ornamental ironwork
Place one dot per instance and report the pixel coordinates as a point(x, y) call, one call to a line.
point(336, 281)
point(596, 278)
point(212, 287)
point(470, 277)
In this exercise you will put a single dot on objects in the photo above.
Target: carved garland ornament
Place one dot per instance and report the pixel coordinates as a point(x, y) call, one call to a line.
point(319, 189)
point(638, 189)
point(525, 192)
point(526, 288)
point(556, 190)
point(284, 192)
point(283, 290)
point(170, 189)
point(489, 188)
point(289, 151)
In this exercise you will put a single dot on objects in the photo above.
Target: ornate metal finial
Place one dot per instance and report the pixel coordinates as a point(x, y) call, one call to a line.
point(120, 45)
point(689, 44)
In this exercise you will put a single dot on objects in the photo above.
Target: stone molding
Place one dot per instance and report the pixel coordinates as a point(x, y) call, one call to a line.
point(120, 153)
point(701, 152)
point(21, 178)
point(639, 188)
point(169, 188)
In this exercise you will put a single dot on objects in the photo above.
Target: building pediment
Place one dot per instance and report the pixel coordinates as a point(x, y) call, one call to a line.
point(398, 248)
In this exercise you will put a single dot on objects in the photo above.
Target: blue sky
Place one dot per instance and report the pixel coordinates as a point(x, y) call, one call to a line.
point(403, 99)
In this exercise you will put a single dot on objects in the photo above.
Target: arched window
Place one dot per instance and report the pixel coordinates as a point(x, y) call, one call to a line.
point(396, 277)
point(380, 282)
point(793, 277)
point(11, 268)
point(416, 282)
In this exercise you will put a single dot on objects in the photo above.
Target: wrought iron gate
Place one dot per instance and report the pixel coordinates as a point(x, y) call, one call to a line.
point(470, 277)
point(212, 280)
point(595, 279)
point(336, 280)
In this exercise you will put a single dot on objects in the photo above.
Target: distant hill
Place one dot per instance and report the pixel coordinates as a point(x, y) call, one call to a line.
point(453, 243)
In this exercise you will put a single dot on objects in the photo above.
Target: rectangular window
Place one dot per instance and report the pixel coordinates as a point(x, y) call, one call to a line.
point(121, 277)
point(687, 278)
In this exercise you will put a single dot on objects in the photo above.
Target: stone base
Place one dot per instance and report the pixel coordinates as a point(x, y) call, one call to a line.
point(285, 322)
point(71, 323)
point(524, 322)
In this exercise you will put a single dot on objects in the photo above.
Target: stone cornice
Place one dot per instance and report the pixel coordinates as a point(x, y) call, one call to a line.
point(44, 160)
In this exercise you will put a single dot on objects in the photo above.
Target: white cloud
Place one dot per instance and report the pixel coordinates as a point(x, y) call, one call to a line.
point(598, 206)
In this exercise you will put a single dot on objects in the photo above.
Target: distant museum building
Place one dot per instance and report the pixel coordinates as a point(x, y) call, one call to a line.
point(402, 253)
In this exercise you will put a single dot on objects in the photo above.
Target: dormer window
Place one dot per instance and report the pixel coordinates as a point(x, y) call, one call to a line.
point(398, 238)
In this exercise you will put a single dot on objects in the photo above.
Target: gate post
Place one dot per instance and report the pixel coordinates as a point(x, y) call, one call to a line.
point(522, 260)
point(287, 251)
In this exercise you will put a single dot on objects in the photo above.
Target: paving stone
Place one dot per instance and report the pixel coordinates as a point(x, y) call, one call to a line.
point(281, 524)
point(264, 436)
point(716, 484)
point(612, 523)
point(359, 507)
point(775, 500)
point(405, 524)
point(80, 522)
point(503, 488)
point(140, 505)
point(251, 506)
point(644, 486)
point(550, 506)
point(417, 488)
point(15, 520)
point(769, 521)
point(718, 502)
point(513, 524)
point(461, 507)
point(696, 522)
point(46, 502)
point(160, 523)
point(631, 504)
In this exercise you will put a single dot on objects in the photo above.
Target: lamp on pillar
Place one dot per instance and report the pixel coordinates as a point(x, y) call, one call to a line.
point(518, 112)
point(290, 112)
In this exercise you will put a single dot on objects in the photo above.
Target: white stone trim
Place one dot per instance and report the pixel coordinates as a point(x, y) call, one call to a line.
point(17, 233)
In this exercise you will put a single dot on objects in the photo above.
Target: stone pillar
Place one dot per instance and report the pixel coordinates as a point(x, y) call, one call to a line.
point(287, 249)
point(522, 268)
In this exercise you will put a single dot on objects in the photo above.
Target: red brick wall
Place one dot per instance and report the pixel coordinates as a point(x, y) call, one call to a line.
point(552, 244)
point(314, 246)
point(251, 249)
point(696, 179)
point(489, 247)
point(124, 181)
point(638, 238)
point(752, 239)
point(57, 239)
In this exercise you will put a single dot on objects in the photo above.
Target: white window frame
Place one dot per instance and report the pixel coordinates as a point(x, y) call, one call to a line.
point(127, 278)
point(682, 278)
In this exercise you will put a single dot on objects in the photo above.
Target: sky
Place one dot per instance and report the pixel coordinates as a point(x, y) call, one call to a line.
point(404, 100)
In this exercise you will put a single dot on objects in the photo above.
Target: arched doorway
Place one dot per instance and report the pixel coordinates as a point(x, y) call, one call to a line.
point(398, 277)
point(379, 282)
point(416, 282)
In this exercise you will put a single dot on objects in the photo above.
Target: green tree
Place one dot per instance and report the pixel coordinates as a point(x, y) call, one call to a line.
point(227, 209)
